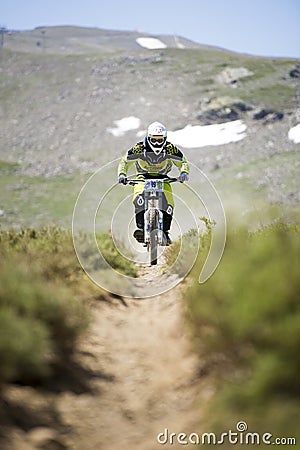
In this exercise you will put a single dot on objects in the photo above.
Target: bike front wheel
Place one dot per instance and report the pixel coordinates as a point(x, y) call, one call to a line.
point(153, 237)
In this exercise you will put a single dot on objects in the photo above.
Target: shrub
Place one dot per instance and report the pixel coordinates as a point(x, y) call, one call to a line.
point(42, 286)
point(245, 323)
point(40, 322)
point(49, 250)
point(42, 315)
point(113, 257)
point(185, 247)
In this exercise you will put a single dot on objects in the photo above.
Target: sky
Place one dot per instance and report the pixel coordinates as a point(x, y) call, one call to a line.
point(256, 27)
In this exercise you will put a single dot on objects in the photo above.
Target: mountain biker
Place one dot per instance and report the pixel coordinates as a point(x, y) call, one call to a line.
point(153, 158)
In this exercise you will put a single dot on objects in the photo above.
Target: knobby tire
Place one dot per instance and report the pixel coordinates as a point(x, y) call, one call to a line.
point(153, 237)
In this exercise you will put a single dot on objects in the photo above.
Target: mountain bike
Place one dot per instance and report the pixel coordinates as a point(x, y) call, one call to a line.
point(153, 216)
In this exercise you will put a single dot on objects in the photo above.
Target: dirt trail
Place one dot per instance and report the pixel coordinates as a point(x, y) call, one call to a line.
point(141, 344)
point(142, 379)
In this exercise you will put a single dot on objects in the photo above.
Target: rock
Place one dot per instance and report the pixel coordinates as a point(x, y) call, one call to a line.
point(2, 212)
point(218, 116)
point(220, 102)
point(233, 75)
point(295, 73)
point(268, 115)
point(220, 109)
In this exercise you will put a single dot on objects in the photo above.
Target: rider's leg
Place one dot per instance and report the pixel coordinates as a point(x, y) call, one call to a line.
point(139, 218)
point(139, 206)
point(167, 225)
point(167, 221)
point(168, 205)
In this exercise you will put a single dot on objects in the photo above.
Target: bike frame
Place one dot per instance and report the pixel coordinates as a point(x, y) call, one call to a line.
point(153, 217)
point(153, 193)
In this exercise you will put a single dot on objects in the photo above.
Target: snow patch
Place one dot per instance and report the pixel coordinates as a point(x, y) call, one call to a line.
point(150, 43)
point(294, 134)
point(201, 136)
point(124, 125)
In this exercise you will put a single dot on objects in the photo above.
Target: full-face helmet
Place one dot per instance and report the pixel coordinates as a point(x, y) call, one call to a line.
point(156, 136)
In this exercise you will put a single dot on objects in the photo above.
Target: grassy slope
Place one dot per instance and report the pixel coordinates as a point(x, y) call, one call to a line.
point(36, 201)
point(57, 108)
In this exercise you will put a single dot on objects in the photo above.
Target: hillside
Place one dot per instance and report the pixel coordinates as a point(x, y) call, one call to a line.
point(61, 101)
point(68, 40)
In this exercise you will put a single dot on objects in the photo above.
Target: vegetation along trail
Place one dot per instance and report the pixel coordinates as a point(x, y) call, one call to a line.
point(134, 375)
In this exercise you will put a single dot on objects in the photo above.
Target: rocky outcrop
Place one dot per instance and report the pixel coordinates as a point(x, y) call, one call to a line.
point(295, 73)
point(268, 115)
point(222, 109)
point(232, 75)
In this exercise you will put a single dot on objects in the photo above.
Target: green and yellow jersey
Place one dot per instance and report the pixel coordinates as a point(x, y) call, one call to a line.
point(148, 163)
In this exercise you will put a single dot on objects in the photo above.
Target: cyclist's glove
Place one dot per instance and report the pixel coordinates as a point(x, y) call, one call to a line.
point(122, 178)
point(183, 177)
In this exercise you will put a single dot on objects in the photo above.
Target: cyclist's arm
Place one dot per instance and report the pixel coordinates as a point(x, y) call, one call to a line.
point(124, 165)
point(182, 165)
point(130, 157)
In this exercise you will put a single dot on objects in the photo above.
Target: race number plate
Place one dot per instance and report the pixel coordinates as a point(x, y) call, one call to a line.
point(154, 185)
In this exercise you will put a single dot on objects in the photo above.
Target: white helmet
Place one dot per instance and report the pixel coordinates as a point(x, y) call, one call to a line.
point(156, 136)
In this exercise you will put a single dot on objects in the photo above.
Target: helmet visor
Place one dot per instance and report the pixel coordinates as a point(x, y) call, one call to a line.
point(157, 141)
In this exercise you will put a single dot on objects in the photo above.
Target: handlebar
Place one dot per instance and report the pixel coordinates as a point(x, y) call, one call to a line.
point(133, 181)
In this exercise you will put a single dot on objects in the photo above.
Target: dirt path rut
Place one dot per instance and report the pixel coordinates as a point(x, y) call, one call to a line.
point(149, 377)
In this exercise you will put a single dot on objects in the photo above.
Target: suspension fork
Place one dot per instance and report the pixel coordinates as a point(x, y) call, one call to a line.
point(160, 219)
point(154, 201)
point(147, 219)
point(150, 204)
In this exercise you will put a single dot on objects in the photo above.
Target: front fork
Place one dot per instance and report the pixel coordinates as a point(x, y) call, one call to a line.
point(152, 203)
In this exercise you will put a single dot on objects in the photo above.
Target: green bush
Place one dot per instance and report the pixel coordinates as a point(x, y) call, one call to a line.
point(246, 327)
point(185, 248)
point(42, 288)
point(42, 314)
point(24, 343)
point(113, 257)
point(49, 250)
point(40, 322)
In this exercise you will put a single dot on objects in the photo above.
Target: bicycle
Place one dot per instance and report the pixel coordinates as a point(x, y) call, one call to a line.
point(153, 216)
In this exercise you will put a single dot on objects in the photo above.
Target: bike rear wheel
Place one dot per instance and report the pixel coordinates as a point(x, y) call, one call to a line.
point(153, 237)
